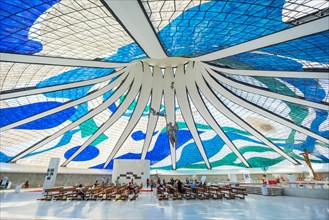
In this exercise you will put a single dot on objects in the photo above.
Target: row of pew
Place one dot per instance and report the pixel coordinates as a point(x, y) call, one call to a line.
point(214, 192)
point(110, 192)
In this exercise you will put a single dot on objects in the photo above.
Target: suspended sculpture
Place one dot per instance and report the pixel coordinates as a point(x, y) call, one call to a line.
point(157, 113)
point(171, 130)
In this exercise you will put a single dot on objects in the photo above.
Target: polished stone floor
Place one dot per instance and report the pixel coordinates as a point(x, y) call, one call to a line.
point(24, 206)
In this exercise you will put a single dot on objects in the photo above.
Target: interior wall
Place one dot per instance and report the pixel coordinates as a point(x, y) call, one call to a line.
point(127, 170)
point(37, 179)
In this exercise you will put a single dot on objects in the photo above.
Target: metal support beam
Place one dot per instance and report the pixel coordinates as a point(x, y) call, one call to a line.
point(115, 96)
point(33, 91)
point(114, 117)
point(267, 73)
point(267, 93)
point(169, 101)
point(236, 119)
point(303, 30)
point(138, 111)
point(181, 94)
point(67, 105)
point(234, 98)
point(57, 61)
point(204, 112)
point(156, 98)
point(134, 20)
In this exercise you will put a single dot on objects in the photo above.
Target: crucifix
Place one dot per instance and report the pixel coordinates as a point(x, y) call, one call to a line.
point(307, 160)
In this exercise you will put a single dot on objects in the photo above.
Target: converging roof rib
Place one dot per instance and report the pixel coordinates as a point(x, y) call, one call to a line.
point(23, 58)
point(134, 20)
point(299, 31)
point(268, 73)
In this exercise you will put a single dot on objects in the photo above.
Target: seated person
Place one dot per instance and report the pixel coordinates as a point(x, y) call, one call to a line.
point(81, 192)
point(192, 186)
point(95, 184)
point(131, 188)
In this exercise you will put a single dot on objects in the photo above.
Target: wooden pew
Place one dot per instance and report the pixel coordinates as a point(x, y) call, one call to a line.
point(188, 193)
point(122, 193)
point(162, 194)
point(91, 193)
point(108, 193)
point(173, 192)
point(227, 192)
point(50, 193)
point(201, 193)
point(239, 192)
point(215, 192)
point(66, 193)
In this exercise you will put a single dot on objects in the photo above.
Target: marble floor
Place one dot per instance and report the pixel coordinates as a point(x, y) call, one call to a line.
point(24, 205)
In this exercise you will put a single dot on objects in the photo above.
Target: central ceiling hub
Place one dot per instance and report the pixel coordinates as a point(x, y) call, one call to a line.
point(167, 62)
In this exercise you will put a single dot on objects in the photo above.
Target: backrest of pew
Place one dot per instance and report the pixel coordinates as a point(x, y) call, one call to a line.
point(54, 189)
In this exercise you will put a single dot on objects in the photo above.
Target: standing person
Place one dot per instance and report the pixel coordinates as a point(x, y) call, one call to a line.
point(26, 184)
point(179, 186)
point(117, 181)
point(164, 182)
point(81, 192)
point(152, 185)
point(147, 182)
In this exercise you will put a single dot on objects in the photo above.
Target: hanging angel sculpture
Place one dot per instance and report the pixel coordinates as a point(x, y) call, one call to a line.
point(171, 130)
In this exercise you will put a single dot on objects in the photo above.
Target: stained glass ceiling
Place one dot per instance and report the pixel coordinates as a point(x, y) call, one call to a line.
point(88, 81)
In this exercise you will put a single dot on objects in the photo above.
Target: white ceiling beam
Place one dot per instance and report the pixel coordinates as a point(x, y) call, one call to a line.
point(115, 96)
point(292, 33)
point(113, 118)
point(133, 18)
point(34, 91)
point(138, 111)
point(267, 93)
point(69, 104)
point(169, 102)
point(234, 98)
point(204, 112)
point(181, 94)
point(157, 91)
point(57, 61)
point(268, 73)
point(236, 119)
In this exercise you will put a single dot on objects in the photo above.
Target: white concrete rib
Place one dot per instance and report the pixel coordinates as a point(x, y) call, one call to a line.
point(204, 112)
point(181, 94)
point(115, 96)
point(234, 98)
point(269, 73)
point(268, 93)
point(67, 105)
point(169, 101)
point(138, 111)
point(33, 91)
point(115, 116)
point(292, 33)
point(228, 113)
point(156, 97)
point(135, 21)
point(57, 61)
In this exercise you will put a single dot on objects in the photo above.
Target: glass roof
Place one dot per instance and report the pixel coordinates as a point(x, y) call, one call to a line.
point(246, 82)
